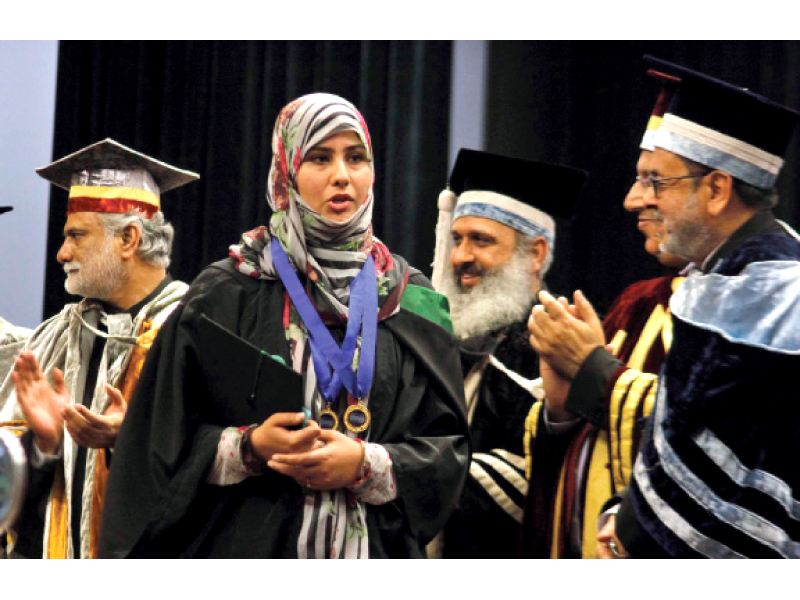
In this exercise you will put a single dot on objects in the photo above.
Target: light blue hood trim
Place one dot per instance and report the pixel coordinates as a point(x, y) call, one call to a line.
point(759, 307)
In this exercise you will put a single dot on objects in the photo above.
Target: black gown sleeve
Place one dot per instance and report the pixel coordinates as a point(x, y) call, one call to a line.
point(164, 449)
point(586, 397)
point(431, 457)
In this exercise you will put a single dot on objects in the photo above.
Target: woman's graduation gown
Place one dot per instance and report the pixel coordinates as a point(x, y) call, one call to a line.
point(158, 503)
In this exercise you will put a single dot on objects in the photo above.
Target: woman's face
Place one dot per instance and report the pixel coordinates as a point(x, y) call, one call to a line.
point(335, 176)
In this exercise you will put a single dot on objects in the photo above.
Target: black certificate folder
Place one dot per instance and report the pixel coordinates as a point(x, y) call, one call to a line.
point(245, 383)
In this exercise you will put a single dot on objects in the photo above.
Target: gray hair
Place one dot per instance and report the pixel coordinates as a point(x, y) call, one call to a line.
point(524, 245)
point(157, 234)
point(750, 195)
point(755, 197)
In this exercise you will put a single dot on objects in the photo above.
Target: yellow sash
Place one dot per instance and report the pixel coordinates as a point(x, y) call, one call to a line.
point(59, 512)
point(127, 384)
point(59, 516)
point(531, 423)
point(598, 490)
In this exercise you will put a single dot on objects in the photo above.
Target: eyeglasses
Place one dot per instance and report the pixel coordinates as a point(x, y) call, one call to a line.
point(656, 182)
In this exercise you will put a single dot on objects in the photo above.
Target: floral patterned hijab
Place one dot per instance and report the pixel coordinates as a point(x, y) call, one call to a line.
point(330, 254)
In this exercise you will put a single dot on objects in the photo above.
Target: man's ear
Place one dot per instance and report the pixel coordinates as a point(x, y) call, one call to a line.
point(538, 251)
point(720, 186)
point(130, 238)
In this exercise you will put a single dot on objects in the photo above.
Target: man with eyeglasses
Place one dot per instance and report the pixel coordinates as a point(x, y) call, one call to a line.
point(716, 476)
point(582, 440)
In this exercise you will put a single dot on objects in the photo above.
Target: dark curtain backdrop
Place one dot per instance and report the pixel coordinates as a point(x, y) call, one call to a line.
point(586, 104)
point(210, 107)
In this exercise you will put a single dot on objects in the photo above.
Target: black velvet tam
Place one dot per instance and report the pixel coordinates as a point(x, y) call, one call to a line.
point(554, 189)
point(734, 111)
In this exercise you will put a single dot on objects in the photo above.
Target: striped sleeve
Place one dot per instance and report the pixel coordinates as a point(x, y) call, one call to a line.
point(531, 423)
point(502, 476)
point(630, 401)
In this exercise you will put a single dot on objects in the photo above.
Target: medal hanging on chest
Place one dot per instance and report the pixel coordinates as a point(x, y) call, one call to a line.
point(333, 365)
point(357, 417)
point(327, 418)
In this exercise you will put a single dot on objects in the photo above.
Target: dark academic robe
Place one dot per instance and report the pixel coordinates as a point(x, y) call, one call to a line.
point(158, 503)
point(717, 473)
point(486, 523)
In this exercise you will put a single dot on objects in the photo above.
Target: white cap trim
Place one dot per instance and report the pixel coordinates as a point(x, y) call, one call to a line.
point(719, 141)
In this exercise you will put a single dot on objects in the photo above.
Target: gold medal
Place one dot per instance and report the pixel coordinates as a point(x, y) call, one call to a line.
point(328, 419)
point(357, 417)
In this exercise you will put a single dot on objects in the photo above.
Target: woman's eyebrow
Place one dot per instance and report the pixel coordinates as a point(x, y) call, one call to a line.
point(327, 149)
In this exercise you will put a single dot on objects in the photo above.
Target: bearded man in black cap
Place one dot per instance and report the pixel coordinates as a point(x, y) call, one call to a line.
point(490, 264)
point(115, 255)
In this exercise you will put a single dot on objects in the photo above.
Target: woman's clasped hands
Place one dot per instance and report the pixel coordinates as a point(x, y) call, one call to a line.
point(316, 458)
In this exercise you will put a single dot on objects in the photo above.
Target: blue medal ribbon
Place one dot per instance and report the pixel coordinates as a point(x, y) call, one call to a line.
point(363, 316)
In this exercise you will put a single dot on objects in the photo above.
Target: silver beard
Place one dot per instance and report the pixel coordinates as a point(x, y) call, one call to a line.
point(98, 277)
point(502, 297)
point(687, 237)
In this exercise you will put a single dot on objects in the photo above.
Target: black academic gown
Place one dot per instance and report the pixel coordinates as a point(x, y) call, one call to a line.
point(158, 503)
point(758, 239)
point(480, 527)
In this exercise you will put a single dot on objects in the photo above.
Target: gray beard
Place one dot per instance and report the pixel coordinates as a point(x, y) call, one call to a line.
point(688, 238)
point(502, 297)
point(99, 277)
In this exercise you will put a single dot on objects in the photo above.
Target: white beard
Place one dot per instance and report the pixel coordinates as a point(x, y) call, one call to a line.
point(98, 277)
point(502, 297)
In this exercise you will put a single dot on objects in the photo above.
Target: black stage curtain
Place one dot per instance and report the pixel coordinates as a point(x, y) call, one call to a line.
point(586, 104)
point(210, 107)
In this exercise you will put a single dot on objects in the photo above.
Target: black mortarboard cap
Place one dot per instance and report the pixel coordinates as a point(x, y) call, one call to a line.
point(551, 188)
point(725, 127)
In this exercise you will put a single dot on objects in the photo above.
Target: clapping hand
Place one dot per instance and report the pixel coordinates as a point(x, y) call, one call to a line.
point(96, 431)
point(565, 335)
point(41, 403)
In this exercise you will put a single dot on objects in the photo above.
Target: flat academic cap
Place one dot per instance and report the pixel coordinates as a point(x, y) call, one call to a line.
point(5, 209)
point(111, 178)
point(668, 86)
point(725, 127)
point(550, 188)
point(522, 194)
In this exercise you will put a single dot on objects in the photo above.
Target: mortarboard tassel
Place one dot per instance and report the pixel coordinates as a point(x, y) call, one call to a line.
point(447, 204)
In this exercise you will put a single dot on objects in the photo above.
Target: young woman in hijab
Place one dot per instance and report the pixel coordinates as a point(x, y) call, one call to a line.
point(377, 468)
